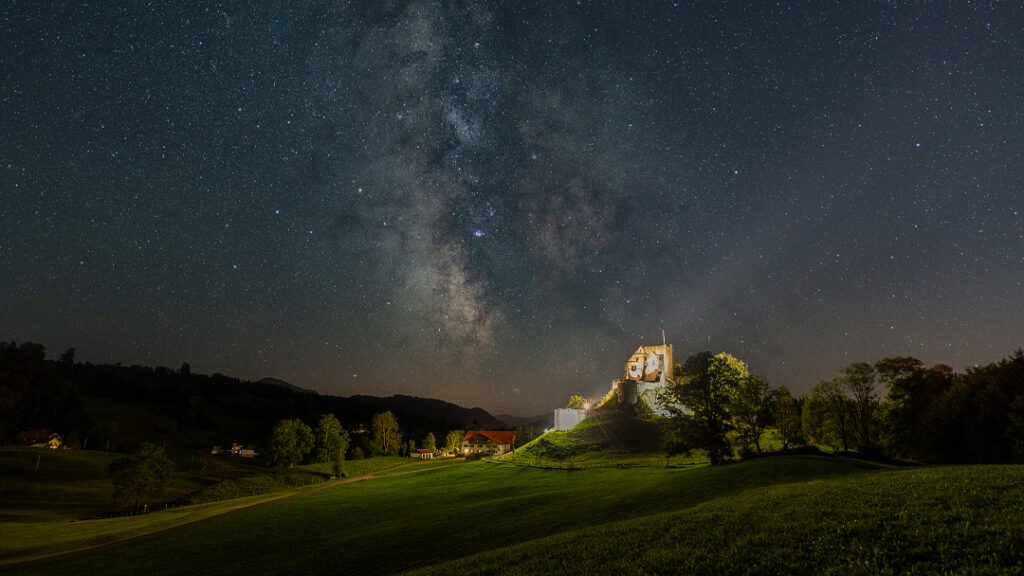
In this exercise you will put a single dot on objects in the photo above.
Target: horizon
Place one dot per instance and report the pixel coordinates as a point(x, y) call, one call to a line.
point(495, 206)
point(54, 354)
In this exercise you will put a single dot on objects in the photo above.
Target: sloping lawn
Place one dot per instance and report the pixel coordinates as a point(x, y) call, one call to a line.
point(949, 520)
point(400, 522)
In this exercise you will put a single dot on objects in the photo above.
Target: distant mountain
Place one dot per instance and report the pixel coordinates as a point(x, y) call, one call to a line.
point(541, 421)
point(288, 385)
point(433, 409)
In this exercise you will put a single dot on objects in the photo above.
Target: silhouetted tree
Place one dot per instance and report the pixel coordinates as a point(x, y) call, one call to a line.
point(787, 418)
point(524, 434)
point(751, 409)
point(698, 404)
point(140, 476)
point(290, 442)
point(858, 381)
point(973, 421)
point(911, 394)
point(386, 440)
point(830, 408)
point(330, 439)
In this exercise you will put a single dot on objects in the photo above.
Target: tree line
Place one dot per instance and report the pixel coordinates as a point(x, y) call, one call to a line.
point(40, 393)
point(293, 442)
point(895, 408)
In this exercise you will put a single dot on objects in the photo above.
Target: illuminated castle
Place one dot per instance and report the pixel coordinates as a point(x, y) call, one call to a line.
point(648, 371)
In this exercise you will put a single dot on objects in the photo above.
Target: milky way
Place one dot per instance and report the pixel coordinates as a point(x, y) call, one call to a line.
point(496, 203)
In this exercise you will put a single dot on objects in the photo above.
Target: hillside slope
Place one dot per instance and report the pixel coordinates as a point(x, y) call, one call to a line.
point(393, 524)
point(432, 409)
point(603, 440)
point(948, 520)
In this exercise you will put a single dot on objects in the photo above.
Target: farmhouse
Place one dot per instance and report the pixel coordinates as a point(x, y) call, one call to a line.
point(494, 442)
point(39, 438)
point(422, 454)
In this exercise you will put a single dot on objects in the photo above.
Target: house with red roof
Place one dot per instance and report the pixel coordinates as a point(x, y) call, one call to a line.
point(39, 438)
point(493, 442)
point(422, 454)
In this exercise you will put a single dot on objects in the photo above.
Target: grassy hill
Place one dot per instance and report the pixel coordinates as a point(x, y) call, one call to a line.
point(40, 485)
point(962, 520)
point(793, 514)
point(60, 506)
point(399, 522)
point(601, 441)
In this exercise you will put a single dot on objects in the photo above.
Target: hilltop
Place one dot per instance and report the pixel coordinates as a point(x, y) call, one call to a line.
point(602, 440)
point(284, 384)
point(432, 409)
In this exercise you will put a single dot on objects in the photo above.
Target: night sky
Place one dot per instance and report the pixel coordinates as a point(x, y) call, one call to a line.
point(496, 203)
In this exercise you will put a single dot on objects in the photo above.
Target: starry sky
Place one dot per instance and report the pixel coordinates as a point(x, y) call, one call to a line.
point(495, 203)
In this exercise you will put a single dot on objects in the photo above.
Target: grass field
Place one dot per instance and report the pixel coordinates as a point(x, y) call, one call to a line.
point(43, 510)
point(601, 441)
point(39, 485)
point(964, 520)
point(794, 514)
point(400, 522)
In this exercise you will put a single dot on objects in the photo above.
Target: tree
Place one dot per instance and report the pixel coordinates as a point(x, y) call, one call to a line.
point(859, 381)
point(68, 357)
point(330, 439)
point(430, 443)
point(411, 446)
point(453, 441)
point(576, 402)
point(186, 369)
point(831, 407)
point(386, 440)
point(698, 404)
point(142, 475)
point(525, 434)
point(976, 419)
point(786, 412)
point(290, 442)
point(912, 392)
point(752, 411)
point(813, 420)
point(337, 468)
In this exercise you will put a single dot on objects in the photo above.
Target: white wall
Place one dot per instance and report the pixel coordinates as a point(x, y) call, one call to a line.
point(568, 418)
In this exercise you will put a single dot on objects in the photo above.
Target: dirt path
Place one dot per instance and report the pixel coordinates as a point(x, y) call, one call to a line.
point(330, 484)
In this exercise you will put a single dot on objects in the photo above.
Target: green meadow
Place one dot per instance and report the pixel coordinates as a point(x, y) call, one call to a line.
point(601, 441)
point(964, 520)
point(792, 514)
point(55, 502)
